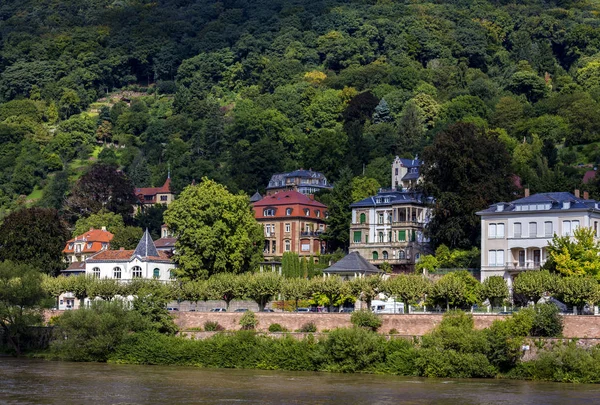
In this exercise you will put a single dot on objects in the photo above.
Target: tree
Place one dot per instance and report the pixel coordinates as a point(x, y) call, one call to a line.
point(382, 112)
point(466, 170)
point(103, 218)
point(296, 289)
point(578, 291)
point(151, 218)
point(332, 287)
point(225, 286)
point(79, 285)
point(407, 288)
point(195, 291)
point(22, 300)
point(262, 287)
point(366, 288)
point(216, 231)
point(106, 288)
point(495, 290)
point(411, 128)
point(457, 290)
point(34, 236)
point(363, 187)
point(575, 256)
point(102, 187)
point(337, 234)
point(127, 238)
point(534, 284)
point(54, 195)
point(54, 286)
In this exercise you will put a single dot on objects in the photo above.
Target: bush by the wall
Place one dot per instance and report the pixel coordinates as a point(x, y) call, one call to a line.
point(275, 327)
point(212, 326)
point(308, 327)
point(366, 319)
point(248, 321)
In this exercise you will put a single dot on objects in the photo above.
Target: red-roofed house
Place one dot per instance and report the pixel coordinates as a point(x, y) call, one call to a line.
point(293, 222)
point(83, 246)
point(155, 195)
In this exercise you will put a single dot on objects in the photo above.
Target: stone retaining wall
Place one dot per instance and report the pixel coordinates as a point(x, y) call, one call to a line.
point(413, 325)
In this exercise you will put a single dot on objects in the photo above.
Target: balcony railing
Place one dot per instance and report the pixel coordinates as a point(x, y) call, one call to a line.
point(529, 265)
point(313, 234)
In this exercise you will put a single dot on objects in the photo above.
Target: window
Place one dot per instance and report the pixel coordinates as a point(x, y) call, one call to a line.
point(96, 272)
point(156, 273)
point(566, 228)
point(389, 218)
point(77, 248)
point(496, 258)
point(288, 245)
point(548, 231)
point(136, 272)
point(533, 229)
point(117, 272)
point(357, 236)
point(70, 246)
point(273, 247)
point(171, 274)
point(517, 230)
point(396, 171)
point(363, 218)
point(269, 212)
point(164, 198)
point(390, 236)
point(402, 236)
point(380, 237)
point(401, 254)
point(288, 211)
point(574, 225)
point(380, 218)
point(491, 231)
point(500, 230)
point(288, 227)
point(375, 256)
point(385, 255)
point(318, 213)
point(367, 238)
point(306, 212)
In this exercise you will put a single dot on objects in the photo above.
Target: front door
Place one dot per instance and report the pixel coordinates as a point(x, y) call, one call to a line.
point(536, 258)
point(521, 258)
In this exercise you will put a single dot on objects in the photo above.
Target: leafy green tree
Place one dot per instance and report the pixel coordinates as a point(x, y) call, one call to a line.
point(577, 256)
point(529, 84)
point(457, 290)
point(22, 300)
point(407, 288)
point(79, 285)
point(411, 128)
point(34, 236)
point(382, 112)
point(105, 288)
point(337, 234)
point(466, 170)
point(195, 291)
point(366, 288)
point(495, 290)
point(151, 218)
point(363, 187)
point(533, 285)
point(103, 218)
point(578, 291)
point(296, 289)
point(127, 237)
point(54, 286)
point(332, 287)
point(262, 287)
point(216, 232)
point(226, 287)
point(55, 193)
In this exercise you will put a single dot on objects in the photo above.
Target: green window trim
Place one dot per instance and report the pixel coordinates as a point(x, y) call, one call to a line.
point(375, 255)
point(402, 236)
point(363, 218)
point(156, 273)
point(357, 237)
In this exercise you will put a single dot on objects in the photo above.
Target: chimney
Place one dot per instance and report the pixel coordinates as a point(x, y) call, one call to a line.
point(527, 192)
point(586, 195)
point(91, 228)
point(121, 248)
point(104, 228)
point(576, 193)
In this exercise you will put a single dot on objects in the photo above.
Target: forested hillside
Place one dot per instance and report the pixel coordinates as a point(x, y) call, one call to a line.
point(238, 90)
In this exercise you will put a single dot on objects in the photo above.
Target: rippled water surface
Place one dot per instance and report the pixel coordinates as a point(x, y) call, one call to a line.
point(24, 381)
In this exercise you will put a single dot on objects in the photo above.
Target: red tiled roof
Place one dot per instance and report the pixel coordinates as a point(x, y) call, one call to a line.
point(165, 242)
point(588, 176)
point(165, 189)
point(76, 266)
point(287, 198)
point(94, 236)
point(125, 255)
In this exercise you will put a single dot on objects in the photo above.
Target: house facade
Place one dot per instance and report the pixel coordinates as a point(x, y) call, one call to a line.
point(303, 181)
point(148, 196)
point(292, 222)
point(388, 227)
point(515, 235)
point(406, 173)
point(146, 261)
point(88, 244)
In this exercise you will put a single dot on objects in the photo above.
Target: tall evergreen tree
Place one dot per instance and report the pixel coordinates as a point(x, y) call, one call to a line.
point(340, 214)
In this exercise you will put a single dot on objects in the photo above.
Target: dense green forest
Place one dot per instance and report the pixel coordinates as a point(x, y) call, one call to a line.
point(237, 90)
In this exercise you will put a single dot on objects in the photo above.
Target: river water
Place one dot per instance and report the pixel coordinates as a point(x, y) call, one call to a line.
point(25, 381)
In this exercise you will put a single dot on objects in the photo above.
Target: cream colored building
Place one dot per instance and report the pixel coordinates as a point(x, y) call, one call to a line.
point(406, 173)
point(515, 235)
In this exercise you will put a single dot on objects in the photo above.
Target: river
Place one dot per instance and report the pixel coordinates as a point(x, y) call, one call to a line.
point(25, 381)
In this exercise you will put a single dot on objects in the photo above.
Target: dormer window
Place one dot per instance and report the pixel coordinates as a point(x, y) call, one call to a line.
point(288, 211)
point(318, 213)
point(306, 212)
point(70, 246)
point(269, 212)
point(89, 245)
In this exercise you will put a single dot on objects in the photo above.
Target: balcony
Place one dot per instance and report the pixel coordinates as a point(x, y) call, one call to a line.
point(311, 234)
point(269, 234)
point(523, 266)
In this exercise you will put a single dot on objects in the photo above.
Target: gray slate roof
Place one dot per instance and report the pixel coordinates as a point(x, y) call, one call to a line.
point(255, 197)
point(146, 246)
point(352, 263)
point(395, 198)
point(555, 200)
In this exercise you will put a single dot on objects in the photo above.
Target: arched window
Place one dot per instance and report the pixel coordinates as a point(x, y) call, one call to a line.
point(401, 254)
point(136, 272)
point(117, 272)
point(375, 255)
point(288, 245)
point(156, 273)
point(288, 211)
point(380, 237)
point(96, 272)
point(363, 218)
point(318, 213)
point(385, 255)
point(306, 211)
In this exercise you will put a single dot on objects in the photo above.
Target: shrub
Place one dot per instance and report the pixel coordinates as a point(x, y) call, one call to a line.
point(350, 350)
point(365, 319)
point(308, 327)
point(212, 326)
point(248, 321)
point(275, 327)
point(393, 331)
point(547, 321)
